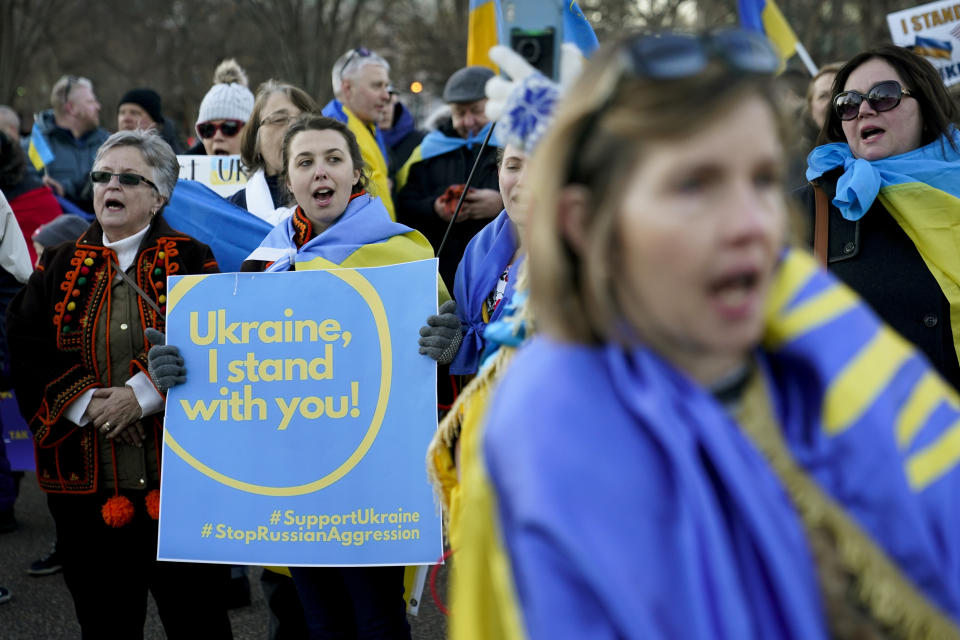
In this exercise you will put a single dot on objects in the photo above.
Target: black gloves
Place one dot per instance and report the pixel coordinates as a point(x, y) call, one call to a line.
point(440, 338)
point(164, 361)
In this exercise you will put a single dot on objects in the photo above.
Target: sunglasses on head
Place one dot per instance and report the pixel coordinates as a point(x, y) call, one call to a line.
point(126, 179)
point(71, 80)
point(229, 128)
point(359, 52)
point(672, 55)
point(882, 96)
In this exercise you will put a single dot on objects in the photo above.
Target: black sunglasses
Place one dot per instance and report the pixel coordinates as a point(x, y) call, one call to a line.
point(229, 128)
point(672, 55)
point(126, 179)
point(361, 52)
point(882, 96)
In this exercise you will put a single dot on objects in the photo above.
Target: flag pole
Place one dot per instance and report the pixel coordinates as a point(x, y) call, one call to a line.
point(807, 60)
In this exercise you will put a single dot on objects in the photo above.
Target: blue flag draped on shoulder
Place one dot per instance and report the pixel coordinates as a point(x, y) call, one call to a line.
point(231, 232)
point(363, 236)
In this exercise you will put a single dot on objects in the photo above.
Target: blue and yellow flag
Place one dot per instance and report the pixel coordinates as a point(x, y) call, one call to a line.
point(39, 151)
point(932, 48)
point(485, 17)
point(764, 16)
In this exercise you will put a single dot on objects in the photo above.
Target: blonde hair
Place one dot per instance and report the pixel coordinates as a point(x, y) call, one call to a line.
point(596, 141)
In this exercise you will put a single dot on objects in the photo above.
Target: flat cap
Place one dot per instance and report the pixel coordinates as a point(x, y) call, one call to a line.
point(466, 85)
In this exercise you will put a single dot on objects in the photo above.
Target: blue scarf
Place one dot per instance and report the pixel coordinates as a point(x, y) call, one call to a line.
point(935, 164)
point(334, 109)
point(437, 143)
point(487, 254)
point(363, 224)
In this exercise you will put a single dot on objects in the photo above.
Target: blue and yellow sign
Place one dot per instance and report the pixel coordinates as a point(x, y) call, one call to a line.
point(300, 434)
point(17, 438)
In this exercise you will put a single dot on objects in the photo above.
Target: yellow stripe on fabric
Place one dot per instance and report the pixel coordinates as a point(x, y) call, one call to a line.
point(481, 35)
point(864, 378)
point(34, 156)
point(815, 312)
point(927, 466)
point(793, 273)
point(778, 30)
point(926, 395)
point(404, 173)
point(933, 224)
point(376, 164)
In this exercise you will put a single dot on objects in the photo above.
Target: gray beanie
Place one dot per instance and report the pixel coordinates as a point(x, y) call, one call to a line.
point(467, 84)
point(64, 228)
point(226, 102)
point(228, 98)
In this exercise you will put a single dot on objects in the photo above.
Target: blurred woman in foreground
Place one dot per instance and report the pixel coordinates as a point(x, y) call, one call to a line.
point(707, 437)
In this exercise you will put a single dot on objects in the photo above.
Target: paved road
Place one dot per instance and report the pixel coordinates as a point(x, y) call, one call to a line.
point(41, 608)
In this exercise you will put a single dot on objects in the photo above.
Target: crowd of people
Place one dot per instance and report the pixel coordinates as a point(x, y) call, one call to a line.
point(694, 404)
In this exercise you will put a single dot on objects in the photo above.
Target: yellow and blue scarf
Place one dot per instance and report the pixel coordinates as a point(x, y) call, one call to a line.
point(861, 412)
point(363, 236)
point(920, 189)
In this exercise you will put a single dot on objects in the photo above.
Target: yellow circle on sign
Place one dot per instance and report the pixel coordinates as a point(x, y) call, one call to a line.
point(372, 298)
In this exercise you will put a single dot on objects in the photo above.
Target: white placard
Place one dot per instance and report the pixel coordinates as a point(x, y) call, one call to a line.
point(223, 174)
point(933, 31)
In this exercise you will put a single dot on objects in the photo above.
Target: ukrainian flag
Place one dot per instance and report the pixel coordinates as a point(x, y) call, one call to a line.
point(39, 151)
point(764, 16)
point(485, 16)
point(482, 32)
point(930, 48)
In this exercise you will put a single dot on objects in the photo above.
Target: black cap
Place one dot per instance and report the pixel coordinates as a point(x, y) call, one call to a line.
point(146, 98)
point(466, 85)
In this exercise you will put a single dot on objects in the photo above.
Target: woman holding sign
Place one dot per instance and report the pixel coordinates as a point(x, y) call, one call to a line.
point(335, 224)
point(79, 363)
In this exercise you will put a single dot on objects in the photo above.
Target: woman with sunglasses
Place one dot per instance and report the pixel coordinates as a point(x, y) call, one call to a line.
point(224, 111)
point(887, 174)
point(709, 437)
point(79, 364)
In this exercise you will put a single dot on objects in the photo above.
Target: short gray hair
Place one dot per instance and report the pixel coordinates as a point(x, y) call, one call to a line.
point(158, 154)
point(58, 95)
point(350, 63)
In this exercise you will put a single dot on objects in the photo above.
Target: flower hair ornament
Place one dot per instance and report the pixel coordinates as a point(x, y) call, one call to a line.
point(523, 106)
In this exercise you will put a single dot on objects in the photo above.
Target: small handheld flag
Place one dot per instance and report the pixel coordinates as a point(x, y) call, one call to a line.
point(39, 151)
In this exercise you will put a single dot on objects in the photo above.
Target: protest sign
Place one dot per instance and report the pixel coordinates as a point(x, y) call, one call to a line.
point(223, 174)
point(16, 434)
point(931, 30)
point(300, 434)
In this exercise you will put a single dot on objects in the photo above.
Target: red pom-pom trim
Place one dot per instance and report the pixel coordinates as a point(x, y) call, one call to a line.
point(153, 504)
point(117, 511)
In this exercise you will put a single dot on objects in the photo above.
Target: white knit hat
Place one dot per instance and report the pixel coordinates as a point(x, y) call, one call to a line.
point(229, 98)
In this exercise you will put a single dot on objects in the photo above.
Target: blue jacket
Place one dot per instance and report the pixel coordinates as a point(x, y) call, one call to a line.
point(73, 158)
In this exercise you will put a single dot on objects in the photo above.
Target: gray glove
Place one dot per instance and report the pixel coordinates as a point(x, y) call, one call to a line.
point(440, 338)
point(164, 361)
